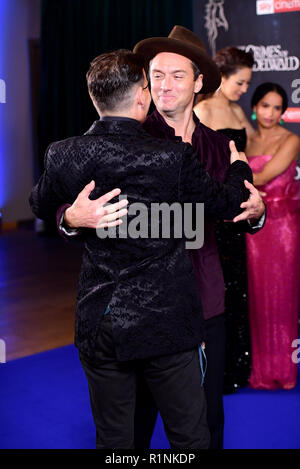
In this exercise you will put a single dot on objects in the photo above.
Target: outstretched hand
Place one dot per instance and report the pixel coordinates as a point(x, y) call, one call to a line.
point(87, 213)
point(253, 207)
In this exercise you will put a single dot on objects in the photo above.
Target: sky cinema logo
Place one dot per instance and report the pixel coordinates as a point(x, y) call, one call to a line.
point(2, 92)
point(267, 7)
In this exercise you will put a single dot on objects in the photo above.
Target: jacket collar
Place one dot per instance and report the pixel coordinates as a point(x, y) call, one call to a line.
point(165, 130)
point(115, 125)
point(117, 118)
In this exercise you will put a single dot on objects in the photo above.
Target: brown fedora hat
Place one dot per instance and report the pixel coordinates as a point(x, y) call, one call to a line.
point(184, 42)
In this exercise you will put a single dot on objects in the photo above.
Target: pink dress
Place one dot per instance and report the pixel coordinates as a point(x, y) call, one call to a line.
point(273, 260)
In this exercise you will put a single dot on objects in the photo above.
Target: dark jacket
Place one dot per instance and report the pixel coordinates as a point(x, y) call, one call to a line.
point(148, 283)
point(212, 150)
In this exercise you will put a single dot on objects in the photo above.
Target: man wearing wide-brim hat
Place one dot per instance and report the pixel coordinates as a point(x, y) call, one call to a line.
point(178, 66)
point(183, 42)
point(179, 69)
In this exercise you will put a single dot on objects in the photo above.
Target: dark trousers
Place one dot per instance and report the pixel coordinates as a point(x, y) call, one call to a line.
point(214, 380)
point(174, 382)
point(146, 411)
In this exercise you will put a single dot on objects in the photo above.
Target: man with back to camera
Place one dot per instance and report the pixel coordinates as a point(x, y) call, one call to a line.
point(176, 63)
point(156, 335)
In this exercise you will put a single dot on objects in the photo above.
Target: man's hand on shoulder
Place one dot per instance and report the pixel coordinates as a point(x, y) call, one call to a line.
point(87, 213)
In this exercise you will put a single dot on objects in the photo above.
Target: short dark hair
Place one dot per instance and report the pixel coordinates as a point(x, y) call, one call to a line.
point(265, 88)
point(111, 77)
point(196, 70)
point(230, 59)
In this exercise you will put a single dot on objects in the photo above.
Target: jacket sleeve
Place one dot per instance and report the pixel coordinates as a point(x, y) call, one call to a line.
point(64, 230)
point(49, 193)
point(220, 200)
point(245, 226)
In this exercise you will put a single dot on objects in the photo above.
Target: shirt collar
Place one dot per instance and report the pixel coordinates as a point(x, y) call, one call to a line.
point(117, 118)
point(166, 128)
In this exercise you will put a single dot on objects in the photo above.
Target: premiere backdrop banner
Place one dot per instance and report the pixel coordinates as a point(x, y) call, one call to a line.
point(270, 29)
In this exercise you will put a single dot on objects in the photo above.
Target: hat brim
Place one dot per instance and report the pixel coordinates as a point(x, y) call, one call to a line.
point(149, 48)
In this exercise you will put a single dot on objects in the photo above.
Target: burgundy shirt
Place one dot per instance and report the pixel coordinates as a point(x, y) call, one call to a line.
point(213, 151)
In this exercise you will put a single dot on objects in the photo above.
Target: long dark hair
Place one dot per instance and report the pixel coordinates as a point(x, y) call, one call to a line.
point(264, 89)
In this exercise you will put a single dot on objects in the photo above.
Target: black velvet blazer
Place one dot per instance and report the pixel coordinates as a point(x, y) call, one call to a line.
point(149, 283)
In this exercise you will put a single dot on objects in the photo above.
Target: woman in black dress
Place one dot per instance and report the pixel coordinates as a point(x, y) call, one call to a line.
point(221, 112)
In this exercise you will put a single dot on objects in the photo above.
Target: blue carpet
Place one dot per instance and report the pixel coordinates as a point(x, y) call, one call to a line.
point(44, 403)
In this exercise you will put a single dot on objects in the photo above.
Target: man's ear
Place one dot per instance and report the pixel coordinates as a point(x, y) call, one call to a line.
point(198, 84)
point(140, 96)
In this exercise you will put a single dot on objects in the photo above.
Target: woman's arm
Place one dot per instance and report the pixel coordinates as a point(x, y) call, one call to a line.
point(287, 152)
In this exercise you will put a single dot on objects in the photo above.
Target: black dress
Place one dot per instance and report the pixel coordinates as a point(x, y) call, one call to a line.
point(232, 251)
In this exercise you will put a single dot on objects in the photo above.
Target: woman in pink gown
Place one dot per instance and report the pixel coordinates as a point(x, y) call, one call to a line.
point(273, 254)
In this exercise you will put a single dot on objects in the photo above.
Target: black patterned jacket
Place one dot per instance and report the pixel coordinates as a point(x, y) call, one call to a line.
point(148, 283)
